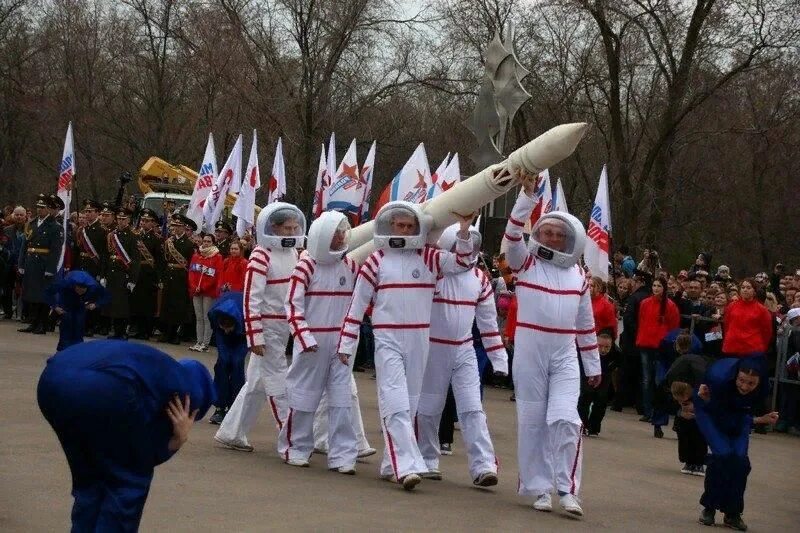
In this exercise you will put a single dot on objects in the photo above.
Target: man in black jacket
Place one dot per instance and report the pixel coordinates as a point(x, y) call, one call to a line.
point(631, 360)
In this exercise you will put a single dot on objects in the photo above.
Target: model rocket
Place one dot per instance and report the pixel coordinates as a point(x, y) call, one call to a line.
point(468, 196)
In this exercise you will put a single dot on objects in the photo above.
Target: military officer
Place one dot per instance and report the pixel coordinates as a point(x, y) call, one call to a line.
point(145, 297)
point(39, 262)
point(90, 251)
point(107, 216)
point(223, 232)
point(176, 307)
point(121, 272)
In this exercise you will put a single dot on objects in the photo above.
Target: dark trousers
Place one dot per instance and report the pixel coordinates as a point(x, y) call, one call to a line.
point(144, 327)
point(365, 354)
point(592, 404)
point(228, 371)
point(448, 420)
point(120, 327)
point(692, 448)
point(629, 381)
point(8, 294)
point(39, 314)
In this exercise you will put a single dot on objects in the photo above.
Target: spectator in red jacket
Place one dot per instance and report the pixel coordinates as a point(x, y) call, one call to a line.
point(605, 316)
point(233, 269)
point(747, 327)
point(205, 279)
point(658, 315)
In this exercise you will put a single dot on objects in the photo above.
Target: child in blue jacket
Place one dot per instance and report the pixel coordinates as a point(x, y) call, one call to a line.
point(227, 323)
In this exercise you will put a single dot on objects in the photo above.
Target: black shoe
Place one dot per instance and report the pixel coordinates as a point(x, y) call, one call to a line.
point(593, 433)
point(174, 341)
point(217, 417)
point(39, 331)
point(734, 521)
point(707, 517)
point(29, 329)
point(644, 418)
point(657, 432)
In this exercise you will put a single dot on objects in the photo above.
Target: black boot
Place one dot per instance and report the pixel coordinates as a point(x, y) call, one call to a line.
point(734, 521)
point(707, 517)
point(217, 417)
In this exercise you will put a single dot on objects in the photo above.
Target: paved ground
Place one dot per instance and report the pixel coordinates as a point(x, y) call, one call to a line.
point(631, 481)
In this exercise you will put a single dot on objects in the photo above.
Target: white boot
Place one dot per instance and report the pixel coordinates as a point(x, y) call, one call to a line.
point(571, 505)
point(544, 503)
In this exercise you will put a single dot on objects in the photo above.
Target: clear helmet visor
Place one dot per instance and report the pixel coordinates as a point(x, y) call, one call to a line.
point(554, 233)
point(399, 226)
point(281, 225)
point(559, 238)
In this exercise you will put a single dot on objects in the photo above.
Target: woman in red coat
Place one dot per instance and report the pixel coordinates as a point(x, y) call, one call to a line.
point(233, 270)
point(205, 279)
point(747, 327)
point(605, 315)
point(657, 316)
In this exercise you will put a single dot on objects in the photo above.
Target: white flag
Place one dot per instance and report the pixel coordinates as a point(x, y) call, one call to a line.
point(245, 205)
point(202, 187)
point(366, 176)
point(560, 199)
point(277, 180)
point(330, 170)
point(452, 174)
point(599, 231)
point(346, 190)
point(412, 182)
point(436, 177)
point(66, 176)
point(321, 186)
point(230, 176)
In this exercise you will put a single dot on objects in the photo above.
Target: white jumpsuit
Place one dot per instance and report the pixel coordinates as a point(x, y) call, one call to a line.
point(400, 283)
point(319, 295)
point(321, 418)
point(554, 311)
point(459, 300)
point(265, 286)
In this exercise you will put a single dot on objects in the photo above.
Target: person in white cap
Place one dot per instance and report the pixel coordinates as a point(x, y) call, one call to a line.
point(460, 299)
point(554, 312)
point(400, 278)
point(280, 230)
point(320, 289)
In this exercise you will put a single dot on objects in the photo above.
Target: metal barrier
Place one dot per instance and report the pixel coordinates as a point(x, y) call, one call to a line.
point(782, 348)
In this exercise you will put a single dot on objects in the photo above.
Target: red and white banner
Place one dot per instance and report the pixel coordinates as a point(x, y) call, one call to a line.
point(366, 176)
point(66, 177)
point(322, 184)
point(202, 187)
point(277, 179)
point(346, 190)
point(229, 180)
point(545, 204)
point(245, 205)
point(596, 253)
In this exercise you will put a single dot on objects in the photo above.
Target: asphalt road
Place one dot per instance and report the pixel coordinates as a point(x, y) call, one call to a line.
point(631, 480)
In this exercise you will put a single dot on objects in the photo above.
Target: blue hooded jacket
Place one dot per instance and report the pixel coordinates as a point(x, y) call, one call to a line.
point(230, 304)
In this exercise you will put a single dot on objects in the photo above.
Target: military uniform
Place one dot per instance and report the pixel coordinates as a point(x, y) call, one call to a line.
point(176, 306)
point(144, 299)
point(39, 262)
point(224, 245)
point(90, 252)
point(121, 272)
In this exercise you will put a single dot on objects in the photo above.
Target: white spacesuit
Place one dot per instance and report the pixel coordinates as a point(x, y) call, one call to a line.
point(320, 290)
point(280, 230)
point(554, 311)
point(400, 278)
point(321, 421)
point(459, 300)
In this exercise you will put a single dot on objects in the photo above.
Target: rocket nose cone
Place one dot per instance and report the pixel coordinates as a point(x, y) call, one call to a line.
point(550, 147)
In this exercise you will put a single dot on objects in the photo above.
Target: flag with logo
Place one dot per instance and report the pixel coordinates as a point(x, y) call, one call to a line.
point(66, 178)
point(452, 174)
point(245, 205)
point(346, 190)
point(545, 203)
point(366, 175)
point(560, 199)
point(598, 242)
point(436, 177)
point(229, 180)
point(202, 187)
point(277, 180)
point(322, 184)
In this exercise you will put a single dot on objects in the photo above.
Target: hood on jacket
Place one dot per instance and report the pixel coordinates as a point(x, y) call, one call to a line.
point(229, 304)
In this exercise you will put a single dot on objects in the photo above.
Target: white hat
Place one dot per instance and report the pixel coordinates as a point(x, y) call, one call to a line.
point(792, 314)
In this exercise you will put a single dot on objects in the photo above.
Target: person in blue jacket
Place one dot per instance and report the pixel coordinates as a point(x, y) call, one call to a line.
point(119, 409)
point(667, 354)
point(227, 323)
point(70, 298)
point(723, 407)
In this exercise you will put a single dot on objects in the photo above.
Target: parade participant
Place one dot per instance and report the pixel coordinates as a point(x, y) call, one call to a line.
point(280, 230)
point(120, 273)
point(90, 253)
point(460, 299)
point(174, 283)
point(71, 298)
point(227, 322)
point(222, 234)
point(723, 406)
point(107, 216)
point(401, 277)
point(233, 269)
point(144, 299)
point(119, 409)
point(593, 401)
point(554, 311)
point(321, 423)
point(14, 237)
point(319, 293)
point(38, 263)
point(205, 278)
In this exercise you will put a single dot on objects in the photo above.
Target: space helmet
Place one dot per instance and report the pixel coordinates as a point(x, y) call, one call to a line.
point(449, 236)
point(561, 227)
point(275, 215)
point(401, 225)
point(320, 237)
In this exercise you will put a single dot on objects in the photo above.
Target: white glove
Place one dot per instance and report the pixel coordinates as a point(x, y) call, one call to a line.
point(103, 282)
point(131, 286)
point(21, 270)
point(48, 274)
